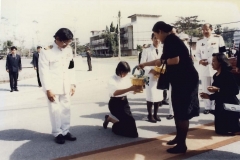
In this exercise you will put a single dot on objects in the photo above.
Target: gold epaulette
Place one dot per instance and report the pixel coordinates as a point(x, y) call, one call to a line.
point(217, 35)
point(48, 47)
point(200, 38)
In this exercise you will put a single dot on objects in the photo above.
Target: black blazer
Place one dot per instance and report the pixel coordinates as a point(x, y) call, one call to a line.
point(13, 64)
point(35, 59)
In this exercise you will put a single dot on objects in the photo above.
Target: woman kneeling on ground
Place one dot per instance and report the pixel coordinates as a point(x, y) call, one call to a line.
point(118, 104)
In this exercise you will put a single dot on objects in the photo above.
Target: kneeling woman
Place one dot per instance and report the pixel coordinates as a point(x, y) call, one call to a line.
point(118, 103)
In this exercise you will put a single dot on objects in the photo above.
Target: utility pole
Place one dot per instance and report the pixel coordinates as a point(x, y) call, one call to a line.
point(119, 43)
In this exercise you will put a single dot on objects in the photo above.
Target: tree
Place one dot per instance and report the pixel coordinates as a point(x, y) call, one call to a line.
point(139, 48)
point(116, 31)
point(7, 45)
point(107, 29)
point(112, 28)
point(227, 35)
point(79, 48)
point(189, 25)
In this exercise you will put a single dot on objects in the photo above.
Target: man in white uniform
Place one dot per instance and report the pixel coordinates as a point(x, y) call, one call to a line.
point(57, 75)
point(206, 46)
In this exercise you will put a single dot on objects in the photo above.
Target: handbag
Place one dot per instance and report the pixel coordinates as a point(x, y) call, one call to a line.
point(231, 107)
point(163, 81)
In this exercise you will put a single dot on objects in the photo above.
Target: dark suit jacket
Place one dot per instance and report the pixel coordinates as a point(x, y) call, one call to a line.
point(13, 64)
point(238, 56)
point(88, 55)
point(35, 59)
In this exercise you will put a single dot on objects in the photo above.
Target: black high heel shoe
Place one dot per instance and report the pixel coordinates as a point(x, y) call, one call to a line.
point(151, 119)
point(105, 123)
point(177, 149)
point(172, 142)
point(157, 118)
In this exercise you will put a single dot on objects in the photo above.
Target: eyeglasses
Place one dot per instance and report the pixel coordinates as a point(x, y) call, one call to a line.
point(67, 43)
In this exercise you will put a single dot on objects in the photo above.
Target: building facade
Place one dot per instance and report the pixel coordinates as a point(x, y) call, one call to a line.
point(137, 32)
point(97, 44)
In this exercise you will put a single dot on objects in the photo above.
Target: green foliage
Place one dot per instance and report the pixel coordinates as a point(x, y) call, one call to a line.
point(139, 48)
point(116, 30)
point(218, 29)
point(112, 28)
point(189, 25)
point(227, 35)
point(79, 48)
point(7, 45)
point(111, 40)
point(107, 29)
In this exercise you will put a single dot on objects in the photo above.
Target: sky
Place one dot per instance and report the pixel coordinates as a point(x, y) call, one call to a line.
point(36, 21)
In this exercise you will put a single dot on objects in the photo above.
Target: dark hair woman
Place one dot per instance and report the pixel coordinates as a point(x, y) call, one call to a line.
point(183, 78)
point(118, 104)
point(224, 89)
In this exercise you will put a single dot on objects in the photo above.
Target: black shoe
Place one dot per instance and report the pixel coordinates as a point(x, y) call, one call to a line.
point(165, 102)
point(69, 137)
point(16, 89)
point(157, 118)
point(105, 123)
point(160, 104)
point(39, 86)
point(206, 111)
point(172, 142)
point(151, 119)
point(170, 117)
point(177, 149)
point(11, 90)
point(60, 139)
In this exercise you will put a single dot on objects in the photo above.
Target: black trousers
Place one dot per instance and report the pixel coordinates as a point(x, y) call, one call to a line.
point(13, 76)
point(38, 78)
point(89, 64)
point(121, 110)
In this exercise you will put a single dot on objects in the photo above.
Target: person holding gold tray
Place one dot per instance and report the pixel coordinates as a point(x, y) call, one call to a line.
point(152, 93)
point(119, 86)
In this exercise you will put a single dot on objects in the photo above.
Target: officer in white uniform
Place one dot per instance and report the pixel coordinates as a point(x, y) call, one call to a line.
point(57, 75)
point(205, 48)
point(152, 93)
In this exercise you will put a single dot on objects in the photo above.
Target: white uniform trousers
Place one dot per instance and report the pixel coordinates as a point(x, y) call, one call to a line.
point(60, 114)
point(169, 92)
point(207, 81)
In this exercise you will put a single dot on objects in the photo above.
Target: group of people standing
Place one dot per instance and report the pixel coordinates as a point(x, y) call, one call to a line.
point(184, 85)
point(57, 76)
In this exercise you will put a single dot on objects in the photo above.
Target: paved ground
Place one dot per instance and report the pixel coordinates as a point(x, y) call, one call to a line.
point(25, 126)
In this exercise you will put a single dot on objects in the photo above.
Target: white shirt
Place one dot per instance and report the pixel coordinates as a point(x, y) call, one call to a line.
point(118, 83)
point(54, 73)
point(204, 50)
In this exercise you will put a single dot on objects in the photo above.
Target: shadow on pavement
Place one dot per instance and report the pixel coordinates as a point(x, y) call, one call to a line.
point(3, 89)
point(42, 146)
point(27, 85)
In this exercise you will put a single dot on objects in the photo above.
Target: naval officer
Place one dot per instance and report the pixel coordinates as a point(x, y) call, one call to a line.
point(58, 81)
point(206, 46)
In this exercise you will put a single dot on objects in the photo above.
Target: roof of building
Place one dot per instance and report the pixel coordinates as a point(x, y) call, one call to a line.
point(143, 15)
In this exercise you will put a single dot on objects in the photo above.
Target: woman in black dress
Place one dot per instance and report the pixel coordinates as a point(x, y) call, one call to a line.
point(224, 89)
point(184, 80)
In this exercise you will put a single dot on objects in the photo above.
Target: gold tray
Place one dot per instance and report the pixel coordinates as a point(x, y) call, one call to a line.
point(138, 82)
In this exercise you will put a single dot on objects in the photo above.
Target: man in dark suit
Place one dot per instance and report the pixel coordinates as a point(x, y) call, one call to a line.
point(89, 58)
point(13, 66)
point(35, 63)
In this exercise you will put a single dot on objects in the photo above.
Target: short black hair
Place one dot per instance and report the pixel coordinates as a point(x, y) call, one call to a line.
point(13, 47)
point(38, 47)
point(210, 26)
point(222, 59)
point(122, 66)
point(160, 25)
point(152, 35)
point(63, 34)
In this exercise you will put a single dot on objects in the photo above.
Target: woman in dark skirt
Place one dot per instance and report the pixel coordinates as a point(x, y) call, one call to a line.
point(184, 80)
point(118, 104)
point(224, 89)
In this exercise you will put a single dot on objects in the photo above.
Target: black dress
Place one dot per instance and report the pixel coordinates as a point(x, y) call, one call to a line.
point(225, 121)
point(126, 126)
point(183, 78)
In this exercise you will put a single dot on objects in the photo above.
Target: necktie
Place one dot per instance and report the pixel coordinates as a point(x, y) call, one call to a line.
point(157, 51)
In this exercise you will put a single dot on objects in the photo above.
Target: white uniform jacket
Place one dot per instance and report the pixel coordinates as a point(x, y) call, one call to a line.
point(54, 72)
point(149, 54)
point(204, 50)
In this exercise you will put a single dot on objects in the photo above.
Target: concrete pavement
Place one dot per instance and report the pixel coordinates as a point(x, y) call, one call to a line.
point(25, 125)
